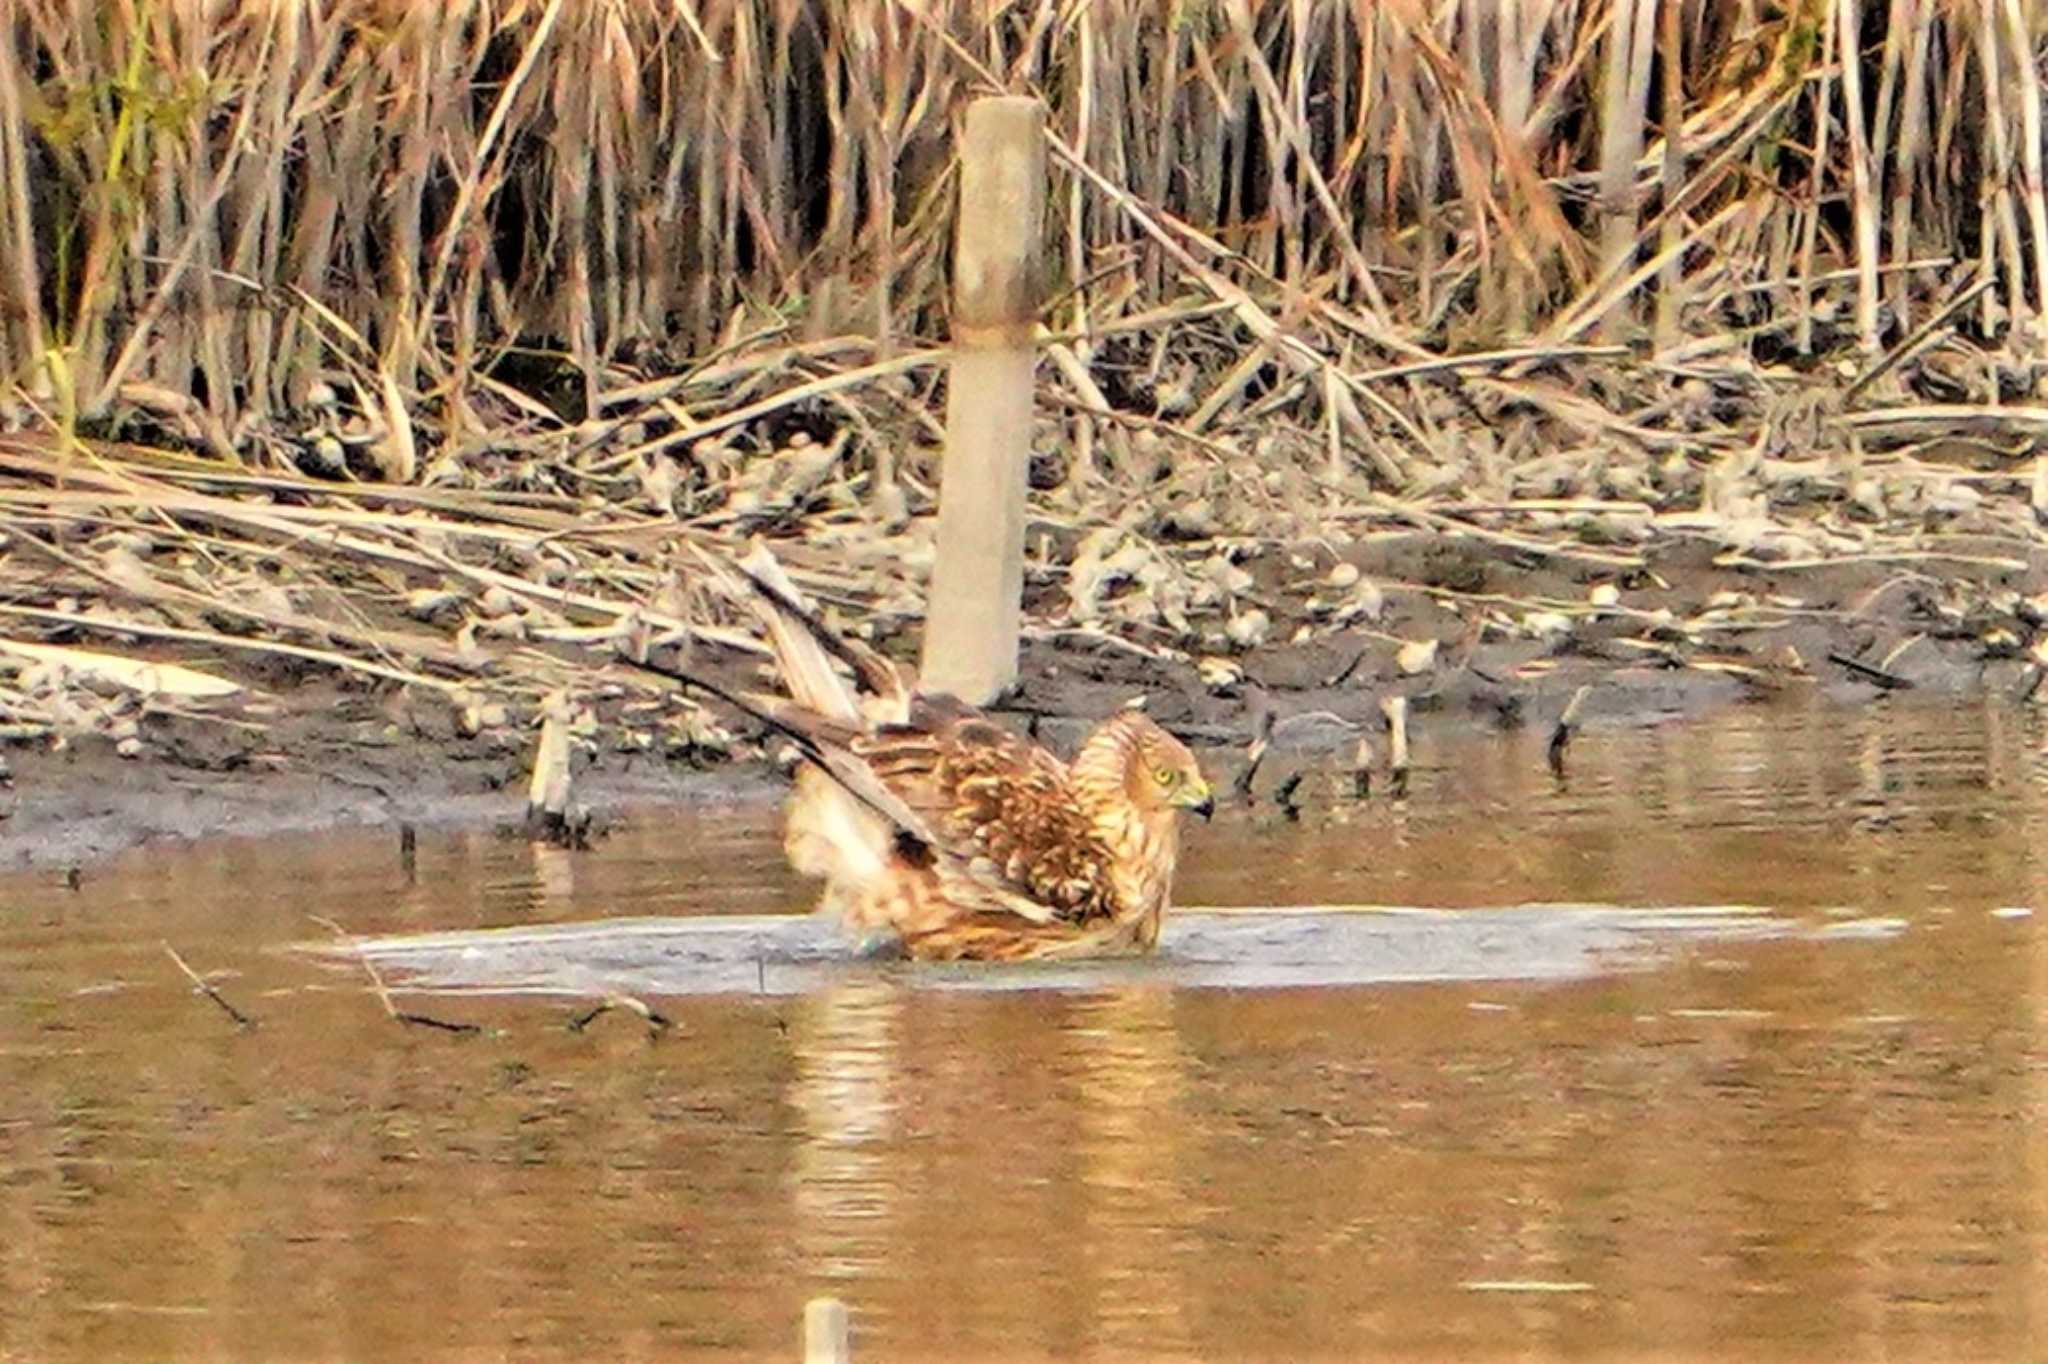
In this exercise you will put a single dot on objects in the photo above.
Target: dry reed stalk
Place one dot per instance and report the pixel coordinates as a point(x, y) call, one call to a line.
point(1862, 180)
point(1913, 131)
point(1816, 173)
point(2026, 66)
point(1670, 53)
point(2001, 235)
point(709, 165)
point(1625, 99)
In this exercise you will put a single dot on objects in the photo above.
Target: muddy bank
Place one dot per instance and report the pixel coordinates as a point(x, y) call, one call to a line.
point(1516, 637)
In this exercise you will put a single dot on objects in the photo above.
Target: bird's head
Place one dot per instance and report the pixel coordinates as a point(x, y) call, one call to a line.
point(1161, 774)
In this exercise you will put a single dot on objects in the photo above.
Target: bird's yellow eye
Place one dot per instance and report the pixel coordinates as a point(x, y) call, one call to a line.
point(1165, 776)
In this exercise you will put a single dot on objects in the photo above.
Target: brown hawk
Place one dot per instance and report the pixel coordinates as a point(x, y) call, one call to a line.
point(923, 816)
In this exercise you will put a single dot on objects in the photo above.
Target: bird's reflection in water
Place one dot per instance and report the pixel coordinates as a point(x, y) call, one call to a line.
point(845, 1042)
point(1130, 1071)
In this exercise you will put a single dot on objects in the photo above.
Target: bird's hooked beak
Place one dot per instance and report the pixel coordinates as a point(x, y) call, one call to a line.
point(1200, 800)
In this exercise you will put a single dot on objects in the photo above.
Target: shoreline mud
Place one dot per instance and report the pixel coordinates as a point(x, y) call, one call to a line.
point(1678, 640)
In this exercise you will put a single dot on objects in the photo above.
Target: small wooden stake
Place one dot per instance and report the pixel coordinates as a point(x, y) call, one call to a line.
point(970, 638)
point(825, 1333)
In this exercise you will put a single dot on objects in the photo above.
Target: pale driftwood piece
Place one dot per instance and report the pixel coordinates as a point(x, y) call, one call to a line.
point(970, 641)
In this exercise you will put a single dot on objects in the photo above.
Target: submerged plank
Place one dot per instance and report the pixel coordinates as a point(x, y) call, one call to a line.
point(1221, 949)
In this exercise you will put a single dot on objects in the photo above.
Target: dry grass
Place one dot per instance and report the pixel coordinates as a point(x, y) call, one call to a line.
point(410, 337)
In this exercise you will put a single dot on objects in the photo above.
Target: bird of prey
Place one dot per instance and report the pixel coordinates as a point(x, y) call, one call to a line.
point(923, 816)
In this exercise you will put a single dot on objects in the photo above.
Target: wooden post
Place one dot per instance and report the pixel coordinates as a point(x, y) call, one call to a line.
point(825, 1334)
point(970, 637)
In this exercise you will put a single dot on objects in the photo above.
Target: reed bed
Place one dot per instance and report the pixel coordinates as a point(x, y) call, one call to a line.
point(414, 340)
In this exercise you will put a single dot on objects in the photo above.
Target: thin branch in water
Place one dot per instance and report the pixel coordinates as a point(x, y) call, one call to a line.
point(1567, 726)
point(1888, 680)
point(1284, 796)
point(1255, 755)
point(657, 1022)
point(391, 1010)
point(205, 987)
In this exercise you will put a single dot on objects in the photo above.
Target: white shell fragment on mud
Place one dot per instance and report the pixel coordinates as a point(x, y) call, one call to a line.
point(1416, 656)
point(1249, 629)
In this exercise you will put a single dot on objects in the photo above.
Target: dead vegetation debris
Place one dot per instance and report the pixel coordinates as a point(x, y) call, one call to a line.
point(1495, 361)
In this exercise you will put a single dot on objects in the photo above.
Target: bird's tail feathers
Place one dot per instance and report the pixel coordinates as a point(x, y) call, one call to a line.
point(843, 823)
point(833, 836)
point(821, 739)
point(805, 647)
point(872, 672)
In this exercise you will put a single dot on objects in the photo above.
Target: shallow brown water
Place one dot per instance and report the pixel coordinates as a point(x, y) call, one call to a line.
point(1823, 1144)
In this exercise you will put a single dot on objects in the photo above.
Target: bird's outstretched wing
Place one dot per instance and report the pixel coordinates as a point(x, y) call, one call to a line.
point(932, 810)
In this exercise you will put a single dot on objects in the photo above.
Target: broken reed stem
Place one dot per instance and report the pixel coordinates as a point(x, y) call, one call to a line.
point(1888, 681)
point(548, 788)
point(1567, 726)
point(1284, 795)
point(552, 816)
point(1395, 709)
point(205, 987)
point(1262, 740)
